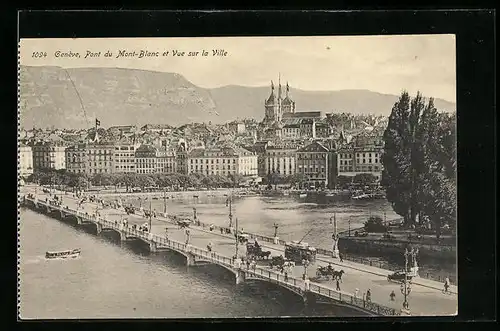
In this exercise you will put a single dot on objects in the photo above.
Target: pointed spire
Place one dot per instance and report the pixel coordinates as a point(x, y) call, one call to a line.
point(279, 85)
point(272, 86)
point(287, 89)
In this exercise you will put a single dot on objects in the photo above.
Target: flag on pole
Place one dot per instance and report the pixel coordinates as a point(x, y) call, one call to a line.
point(97, 122)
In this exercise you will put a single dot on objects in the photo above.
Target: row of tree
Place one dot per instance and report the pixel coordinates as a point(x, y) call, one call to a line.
point(420, 162)
point(131, 180)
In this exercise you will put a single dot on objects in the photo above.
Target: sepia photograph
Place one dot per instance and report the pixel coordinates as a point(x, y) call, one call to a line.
point(237, 177)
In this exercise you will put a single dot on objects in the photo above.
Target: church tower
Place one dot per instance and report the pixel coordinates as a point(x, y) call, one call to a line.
point(288, 105)
point(271, 105)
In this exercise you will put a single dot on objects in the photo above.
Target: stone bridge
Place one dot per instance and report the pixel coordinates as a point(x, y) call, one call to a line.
point(195, 255)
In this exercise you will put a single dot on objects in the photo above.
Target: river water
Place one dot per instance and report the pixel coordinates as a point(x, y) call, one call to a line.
point(110, 281)
point(296, 219)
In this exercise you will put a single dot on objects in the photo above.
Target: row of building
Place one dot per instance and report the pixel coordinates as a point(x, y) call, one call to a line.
point(320, 161)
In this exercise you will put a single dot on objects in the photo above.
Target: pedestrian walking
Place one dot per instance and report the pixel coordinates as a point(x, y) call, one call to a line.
point(248, 264)
point(221, 231)
point(446, 284)
point(392, 295)
point(286, 275)
point(368, 296)
point(338, 285)
point(356, 291)
point(341, 257)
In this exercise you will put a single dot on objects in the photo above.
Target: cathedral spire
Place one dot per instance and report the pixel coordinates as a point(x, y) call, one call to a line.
point(279, 85)
point(287, 89)
point(272, 86)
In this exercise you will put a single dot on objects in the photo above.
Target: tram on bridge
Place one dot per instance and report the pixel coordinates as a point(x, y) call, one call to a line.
point(297, 251)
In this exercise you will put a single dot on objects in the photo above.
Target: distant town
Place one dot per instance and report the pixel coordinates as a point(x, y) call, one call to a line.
point(303, 148)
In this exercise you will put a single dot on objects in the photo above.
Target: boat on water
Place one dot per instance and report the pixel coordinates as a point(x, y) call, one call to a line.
point(369, 196)
point(303, 195)
point(73, 253)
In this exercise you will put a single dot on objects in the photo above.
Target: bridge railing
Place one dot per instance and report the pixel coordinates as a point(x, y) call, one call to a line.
point(352, 300)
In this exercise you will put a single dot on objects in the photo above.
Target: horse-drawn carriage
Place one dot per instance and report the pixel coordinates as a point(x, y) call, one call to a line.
point(129, 210)
point(281, 263)
point(243, 238)
point(254, 251)
point(329, 271)
point(297, 251)
point(183, 223)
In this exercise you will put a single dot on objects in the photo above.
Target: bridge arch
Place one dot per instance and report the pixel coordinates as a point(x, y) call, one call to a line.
point(295, 292)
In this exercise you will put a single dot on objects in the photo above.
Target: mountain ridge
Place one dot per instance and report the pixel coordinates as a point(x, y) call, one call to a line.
point(50, 96)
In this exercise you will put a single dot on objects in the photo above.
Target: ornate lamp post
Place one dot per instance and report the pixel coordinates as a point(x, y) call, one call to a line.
point(276, 239)
point(406, 286)
point(229, 203)
point(150, 215)
point(305, 263)
point(237, 239)
point(164, 203)
point(335, 237)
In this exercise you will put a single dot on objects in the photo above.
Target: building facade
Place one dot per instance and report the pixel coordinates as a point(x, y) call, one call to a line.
point(49, 155)
point(124, 157)
point(100, 159)
point(355, 160)
point(77, 159)
point(25, 160)
point(222, 161)
point(318, 164)
point(281, 159)
point(165, 161)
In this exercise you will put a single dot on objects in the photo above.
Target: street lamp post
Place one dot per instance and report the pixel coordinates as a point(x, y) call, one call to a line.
point(305, 263)
point(406, 286)
point(150, 215)
point(276, 239)
point(194, 215)
point(229, 202)
point(237, 238)
point(349, 226)
point(335, 237)
point(164, 203)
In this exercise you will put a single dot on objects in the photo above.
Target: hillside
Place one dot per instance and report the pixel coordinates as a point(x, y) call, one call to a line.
point(125, 96)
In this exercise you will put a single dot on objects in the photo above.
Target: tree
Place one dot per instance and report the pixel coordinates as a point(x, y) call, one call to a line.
point(364, 179)
point(298, 179)
point(344, 181)
point(235, 179)
point(400, 157)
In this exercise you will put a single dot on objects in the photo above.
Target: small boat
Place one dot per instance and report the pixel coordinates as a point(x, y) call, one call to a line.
point(195, 195)
point(155, 198)
point(303, 195)
point(363, 196)
point(63, 254)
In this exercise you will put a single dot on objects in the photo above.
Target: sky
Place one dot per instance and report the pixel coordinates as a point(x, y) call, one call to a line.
point(384, 64)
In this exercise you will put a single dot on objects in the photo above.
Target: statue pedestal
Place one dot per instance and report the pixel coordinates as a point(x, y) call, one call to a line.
point(405, 312)
point(276, 240)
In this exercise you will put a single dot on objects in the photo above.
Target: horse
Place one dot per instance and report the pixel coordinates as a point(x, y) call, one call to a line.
point(325, 271)
point(276, 261)
point(338, 274)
